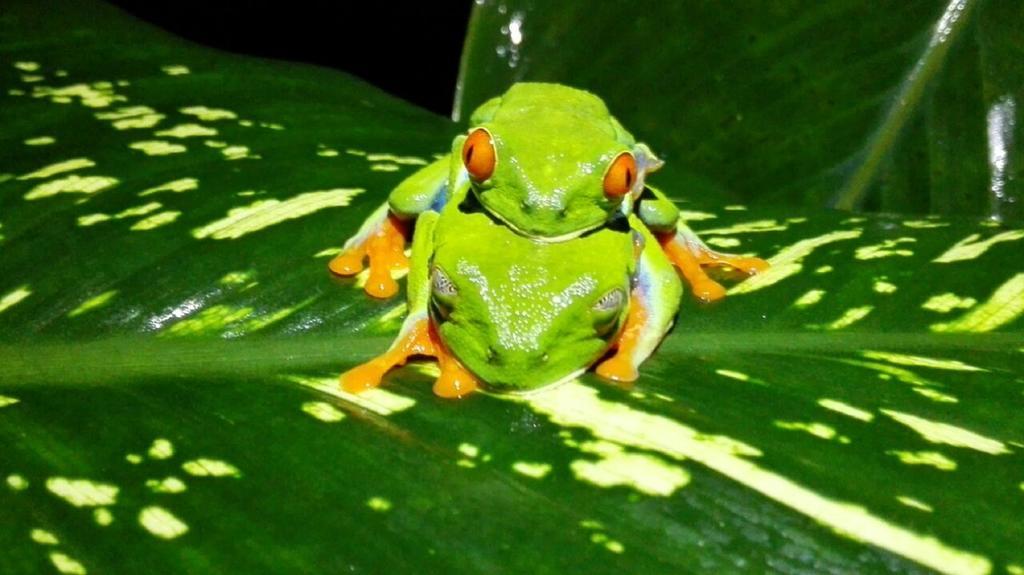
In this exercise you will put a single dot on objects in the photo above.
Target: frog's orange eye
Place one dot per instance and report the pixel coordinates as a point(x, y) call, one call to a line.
point(620, 176)
point(478, 155)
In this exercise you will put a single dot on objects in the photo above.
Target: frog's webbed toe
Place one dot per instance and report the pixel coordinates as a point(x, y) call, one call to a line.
point(688, 253)
point(419, 339)
point(383, 244)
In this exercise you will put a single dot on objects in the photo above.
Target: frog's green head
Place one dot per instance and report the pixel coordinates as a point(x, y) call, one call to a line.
point(522, 314)
point(550, 161)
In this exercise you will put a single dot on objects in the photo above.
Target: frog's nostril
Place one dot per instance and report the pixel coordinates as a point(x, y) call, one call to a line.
point(525, 206)
point(544, 358)
point(492, 356)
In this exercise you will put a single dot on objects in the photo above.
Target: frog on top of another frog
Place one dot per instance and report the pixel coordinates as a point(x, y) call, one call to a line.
point(539, 248)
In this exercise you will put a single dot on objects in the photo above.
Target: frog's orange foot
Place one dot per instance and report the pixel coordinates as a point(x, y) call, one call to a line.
point(385, 248)
point(421, 340)
point(618, 368)
point(692, 257)
point(749, 266)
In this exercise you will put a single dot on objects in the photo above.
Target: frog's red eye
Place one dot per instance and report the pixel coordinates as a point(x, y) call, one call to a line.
point(478, 155)
point(620, 176)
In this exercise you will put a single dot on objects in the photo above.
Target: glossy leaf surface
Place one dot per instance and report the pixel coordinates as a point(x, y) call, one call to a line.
point(168, 397)
point(908, 106)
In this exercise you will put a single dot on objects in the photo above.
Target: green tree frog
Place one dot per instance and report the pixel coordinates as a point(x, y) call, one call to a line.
point(536, 227)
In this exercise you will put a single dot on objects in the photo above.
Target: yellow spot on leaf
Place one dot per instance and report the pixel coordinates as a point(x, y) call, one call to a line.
point(237, 153)
point(407, 160)
point(378, 504)
point(944, 433)
point(58, 168)
point(823, 270)
point(886, 249)
point(93, 303)
point(789, 261)
point(175, 70)
point(733, 374)
point(384, 167)
point(814, 428)
point(95, 96)
point(693, 216)
point(102, 516)
point(132, 117)
point(1003, 307)
point(931, 458)
point(970, 247)
point(16, 482)
point(846, 409)
point(133, 458)
point(205, 467)
point(161, 523)
point(169, 485)
point(66, 564)
point(723, 242)
point(935, 395)
point(327, 153)
point(208, 114)
point(26, 66)
point(644, 473)
point(40, 141)
point(916, 504)
point(747, 228)
point(377, 400)
point(884, 287)
point(850, 317)
point(82, 492)
point(323, 411)
point(5, 401)
point(947, 302)
point(924, 224)
point(809, 298)
point(921, 361)
point(157, 147)
point(576, 405)
point(14, 297)
point(187, 131)
point(736, 208)
point(155, 221)
point(531, 469)
point(43, 537)
point(161, 449)
point(264, 213)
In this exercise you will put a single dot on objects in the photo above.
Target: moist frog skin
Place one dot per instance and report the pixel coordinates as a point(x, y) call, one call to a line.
point(539, 250)
point(551, 163)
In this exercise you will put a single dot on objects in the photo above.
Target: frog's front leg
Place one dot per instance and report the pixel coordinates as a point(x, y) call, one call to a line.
point(653, 304)
point(382, 237)
point(418, 336)
point(685, 250)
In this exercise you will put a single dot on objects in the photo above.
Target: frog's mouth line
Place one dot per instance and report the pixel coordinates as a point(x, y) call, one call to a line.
point(478, 207)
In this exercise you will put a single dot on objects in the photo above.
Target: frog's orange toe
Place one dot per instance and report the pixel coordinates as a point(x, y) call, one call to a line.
point(349, 263)
point(707, 290)
point(362, 377)
point(380, 284)
point(749, 266)
point(618, 368)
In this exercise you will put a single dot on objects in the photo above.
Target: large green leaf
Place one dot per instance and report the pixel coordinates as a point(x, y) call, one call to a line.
point(904, 106)
point(168, 397)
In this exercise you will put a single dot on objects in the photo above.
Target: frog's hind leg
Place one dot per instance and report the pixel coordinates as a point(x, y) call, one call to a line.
point(383, 236)
point(691, 256)
point(653, 304)
point(418, 336)
point(685, 249)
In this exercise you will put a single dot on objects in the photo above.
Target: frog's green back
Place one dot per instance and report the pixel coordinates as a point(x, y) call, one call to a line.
point(525, 315)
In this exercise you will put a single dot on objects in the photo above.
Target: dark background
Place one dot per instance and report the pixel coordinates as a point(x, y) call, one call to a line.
point(413, 54)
